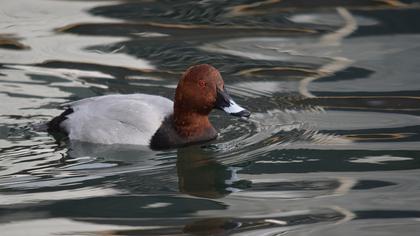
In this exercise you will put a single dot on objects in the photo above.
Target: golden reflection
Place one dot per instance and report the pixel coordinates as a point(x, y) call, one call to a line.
point(378, 136)
point(160, 26)
point(256, 71)
point(184, 26)
point(394, 3)
point(8, 42)
point(277, 6)
point(70, 27)
point(246, 9)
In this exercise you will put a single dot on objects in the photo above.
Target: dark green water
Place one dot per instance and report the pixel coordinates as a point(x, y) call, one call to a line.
point(332, 146)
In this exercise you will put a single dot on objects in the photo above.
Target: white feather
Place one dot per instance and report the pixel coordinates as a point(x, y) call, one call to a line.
point(117, 119)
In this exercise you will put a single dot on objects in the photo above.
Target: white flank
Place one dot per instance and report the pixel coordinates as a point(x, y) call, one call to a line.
point(117, 119)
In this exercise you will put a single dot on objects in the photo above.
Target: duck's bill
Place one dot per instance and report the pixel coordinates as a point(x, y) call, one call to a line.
point(225, 102)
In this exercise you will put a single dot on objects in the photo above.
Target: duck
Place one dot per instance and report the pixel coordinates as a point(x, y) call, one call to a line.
point(151, 120)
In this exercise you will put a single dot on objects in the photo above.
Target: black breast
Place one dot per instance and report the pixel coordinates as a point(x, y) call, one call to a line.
point(166, 136)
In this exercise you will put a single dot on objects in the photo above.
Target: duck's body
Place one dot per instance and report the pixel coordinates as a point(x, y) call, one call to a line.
point(116, 119)
point(141, 119)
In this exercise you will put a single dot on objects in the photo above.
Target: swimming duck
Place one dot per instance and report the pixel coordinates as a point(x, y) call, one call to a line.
point(142, 119)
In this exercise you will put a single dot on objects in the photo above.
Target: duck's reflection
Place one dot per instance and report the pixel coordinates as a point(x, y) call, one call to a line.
point(202, 175)
point(198, 171)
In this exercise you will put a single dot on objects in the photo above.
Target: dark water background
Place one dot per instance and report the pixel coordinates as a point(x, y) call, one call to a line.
point(332, 147)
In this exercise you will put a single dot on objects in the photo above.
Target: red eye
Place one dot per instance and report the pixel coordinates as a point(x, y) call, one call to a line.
point(202, 83)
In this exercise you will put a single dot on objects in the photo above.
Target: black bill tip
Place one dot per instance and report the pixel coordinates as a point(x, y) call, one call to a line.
point(243, 113)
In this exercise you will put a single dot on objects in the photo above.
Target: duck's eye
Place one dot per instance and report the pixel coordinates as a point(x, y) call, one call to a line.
point(202, 83)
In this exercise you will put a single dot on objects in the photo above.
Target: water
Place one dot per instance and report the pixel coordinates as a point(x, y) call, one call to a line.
point(332, 146)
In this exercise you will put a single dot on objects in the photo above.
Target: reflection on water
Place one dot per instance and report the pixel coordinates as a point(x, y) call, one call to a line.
point(332, 146)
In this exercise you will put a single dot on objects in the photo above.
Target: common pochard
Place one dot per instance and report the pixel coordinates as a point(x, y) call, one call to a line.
point(142, 119)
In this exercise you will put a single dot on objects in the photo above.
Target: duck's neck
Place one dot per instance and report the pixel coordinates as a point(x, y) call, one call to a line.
point(193, 126)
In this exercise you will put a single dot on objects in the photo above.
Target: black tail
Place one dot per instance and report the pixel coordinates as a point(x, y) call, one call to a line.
point(54, 124)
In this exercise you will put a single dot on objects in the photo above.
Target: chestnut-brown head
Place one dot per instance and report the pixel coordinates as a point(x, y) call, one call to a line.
point(196, 91)
point(201, 89)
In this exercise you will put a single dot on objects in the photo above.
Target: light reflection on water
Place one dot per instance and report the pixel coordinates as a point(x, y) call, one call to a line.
point(331, 148)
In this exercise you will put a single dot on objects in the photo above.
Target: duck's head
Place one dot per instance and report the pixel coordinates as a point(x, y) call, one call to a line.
point(201, 89)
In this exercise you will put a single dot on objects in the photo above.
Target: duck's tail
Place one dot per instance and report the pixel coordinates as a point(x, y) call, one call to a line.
point(53, 126)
